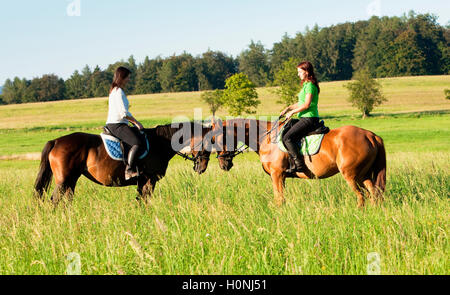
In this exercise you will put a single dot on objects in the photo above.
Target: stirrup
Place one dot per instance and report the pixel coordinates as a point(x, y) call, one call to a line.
point(129, 174)
point(294, 167)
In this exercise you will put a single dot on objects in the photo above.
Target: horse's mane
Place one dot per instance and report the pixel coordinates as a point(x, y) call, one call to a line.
point(255, 130)
point(243, 123)
point(167, 131)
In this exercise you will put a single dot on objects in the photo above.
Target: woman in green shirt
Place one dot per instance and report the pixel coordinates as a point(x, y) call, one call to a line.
point(308, 114)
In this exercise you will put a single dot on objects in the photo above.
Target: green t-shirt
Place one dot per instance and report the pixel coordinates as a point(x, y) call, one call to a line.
point(312, 111)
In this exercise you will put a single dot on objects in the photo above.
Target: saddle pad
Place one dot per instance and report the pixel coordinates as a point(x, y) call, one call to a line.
point(309, 145)
point(112, 146)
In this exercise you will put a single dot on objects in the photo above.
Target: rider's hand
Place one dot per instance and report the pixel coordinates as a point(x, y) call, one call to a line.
point(289, 115)
point(139, 126)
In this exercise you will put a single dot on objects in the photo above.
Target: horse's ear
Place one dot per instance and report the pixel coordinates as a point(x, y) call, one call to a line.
point(214, 123)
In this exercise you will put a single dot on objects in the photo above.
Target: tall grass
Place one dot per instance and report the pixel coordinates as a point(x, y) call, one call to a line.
point(226, 223)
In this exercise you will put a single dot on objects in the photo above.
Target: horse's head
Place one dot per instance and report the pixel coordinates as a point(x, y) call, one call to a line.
point(182, 136)
point(225, 160)
point(200, 146)
point(230, 134)
point(226, 152)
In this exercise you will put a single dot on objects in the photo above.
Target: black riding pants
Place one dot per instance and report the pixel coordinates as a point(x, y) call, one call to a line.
point(299, 129)
point(127, 134)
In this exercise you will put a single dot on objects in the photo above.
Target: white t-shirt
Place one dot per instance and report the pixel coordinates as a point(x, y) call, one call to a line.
point(118, 107)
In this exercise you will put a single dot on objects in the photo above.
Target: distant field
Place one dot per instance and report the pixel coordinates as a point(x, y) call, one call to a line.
point(407, 94)
point(25, 128)
point(225, 222)
point(403, 132)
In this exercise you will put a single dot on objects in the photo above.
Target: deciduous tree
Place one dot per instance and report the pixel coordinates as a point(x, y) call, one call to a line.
point(288, 81)
point(240, 95)
point(214, 99)
point(254, 62)
point(365, 93)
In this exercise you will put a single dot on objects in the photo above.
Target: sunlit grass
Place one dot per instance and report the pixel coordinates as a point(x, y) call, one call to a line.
point(226, 223)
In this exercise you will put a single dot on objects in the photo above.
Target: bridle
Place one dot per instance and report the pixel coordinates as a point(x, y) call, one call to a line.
point(201, 155)
point(229, 155)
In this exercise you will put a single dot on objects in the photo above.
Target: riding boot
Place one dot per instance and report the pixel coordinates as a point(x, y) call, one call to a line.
point(294, 154)
point(130, 171)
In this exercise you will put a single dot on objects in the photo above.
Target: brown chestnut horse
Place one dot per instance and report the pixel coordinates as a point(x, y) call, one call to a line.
point(70, 156)
point(357, 153)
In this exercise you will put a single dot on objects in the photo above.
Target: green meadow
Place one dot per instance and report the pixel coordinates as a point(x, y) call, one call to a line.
point(226, 222)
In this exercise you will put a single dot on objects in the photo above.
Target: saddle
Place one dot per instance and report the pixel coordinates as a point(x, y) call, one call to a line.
point(308, 145)
point(117, 149)
point(320, 128)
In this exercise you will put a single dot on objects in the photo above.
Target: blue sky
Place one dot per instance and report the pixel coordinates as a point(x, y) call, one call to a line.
point(39, 37)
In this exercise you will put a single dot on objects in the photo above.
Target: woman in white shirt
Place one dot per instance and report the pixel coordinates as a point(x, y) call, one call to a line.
point(119, 118)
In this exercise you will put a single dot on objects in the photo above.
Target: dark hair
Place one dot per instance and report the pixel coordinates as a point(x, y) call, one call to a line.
point(121, 74)
point(308, 67)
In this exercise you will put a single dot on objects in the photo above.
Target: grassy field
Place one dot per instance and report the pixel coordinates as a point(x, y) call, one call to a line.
point(406, 94)
point(225, 222)
point(410, 99)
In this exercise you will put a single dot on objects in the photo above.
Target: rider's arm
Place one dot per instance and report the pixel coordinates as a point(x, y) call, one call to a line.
point(134, 121)
point(295, 108)
point(289, 108)
point(126, 114)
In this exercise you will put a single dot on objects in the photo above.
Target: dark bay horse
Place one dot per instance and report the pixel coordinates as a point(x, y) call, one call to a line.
point(70, 156)
point(358, 154)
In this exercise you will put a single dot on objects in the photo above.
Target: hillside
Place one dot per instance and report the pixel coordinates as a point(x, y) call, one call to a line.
point(405, 94)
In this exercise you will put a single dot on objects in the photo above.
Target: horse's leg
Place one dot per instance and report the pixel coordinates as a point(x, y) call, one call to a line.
point(353, 183)
point(70, 184)
point(146, 189)
point(278, 179)
point(64, 189)
point(57, 193)
point(375, 196)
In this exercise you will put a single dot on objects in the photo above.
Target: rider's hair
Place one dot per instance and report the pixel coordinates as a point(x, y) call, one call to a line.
point(308, 67)
point(121, 74)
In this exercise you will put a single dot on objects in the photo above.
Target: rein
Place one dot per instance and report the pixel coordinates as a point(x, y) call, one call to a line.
point(192, 158)
point(232, 154)
point(276, 125)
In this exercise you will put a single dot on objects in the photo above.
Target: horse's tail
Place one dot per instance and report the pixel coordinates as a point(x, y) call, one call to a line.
point(379, 167)
point(45, 172)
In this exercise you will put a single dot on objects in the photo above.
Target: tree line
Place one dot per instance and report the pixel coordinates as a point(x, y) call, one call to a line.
point(382, 46)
